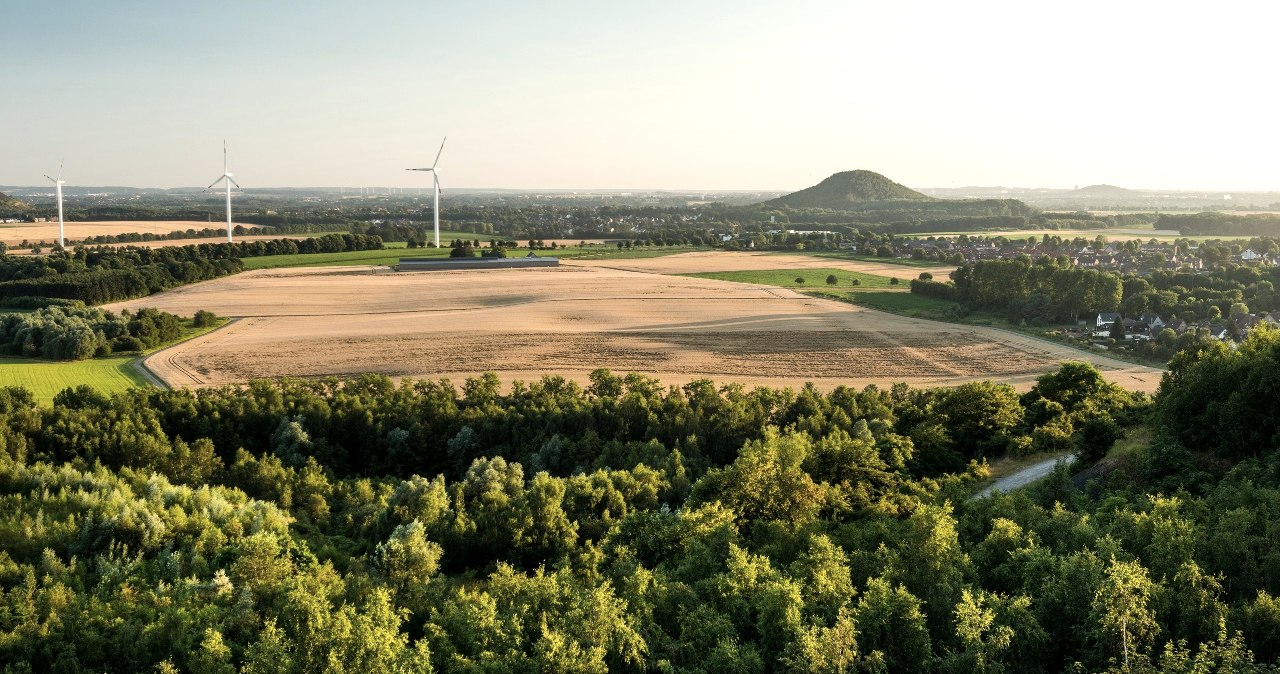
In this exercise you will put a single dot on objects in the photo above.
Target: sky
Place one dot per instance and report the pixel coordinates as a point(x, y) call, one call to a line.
point(684, 94)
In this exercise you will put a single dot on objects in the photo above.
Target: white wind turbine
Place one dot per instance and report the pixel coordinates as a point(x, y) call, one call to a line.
point(435, 179)
point(226, 175)
point(57, 188)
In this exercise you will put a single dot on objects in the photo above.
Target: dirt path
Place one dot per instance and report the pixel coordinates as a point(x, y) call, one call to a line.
point(1016, 480)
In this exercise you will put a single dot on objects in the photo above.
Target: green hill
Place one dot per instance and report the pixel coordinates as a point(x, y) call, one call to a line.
point(1110, 191)
point(7, 201)
point(849, 189)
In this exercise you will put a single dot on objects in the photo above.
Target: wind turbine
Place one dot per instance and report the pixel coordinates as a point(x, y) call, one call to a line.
point(435, 179)
point(57, 187)
point(226, 175)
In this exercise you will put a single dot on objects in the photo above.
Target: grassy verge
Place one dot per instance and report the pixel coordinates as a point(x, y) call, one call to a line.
point(805, 278)
point(189, 331)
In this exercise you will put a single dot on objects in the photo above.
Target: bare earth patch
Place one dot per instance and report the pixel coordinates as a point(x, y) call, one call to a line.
point(570, 320)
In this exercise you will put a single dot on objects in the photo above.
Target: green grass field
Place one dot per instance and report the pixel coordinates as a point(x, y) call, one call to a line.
point(109, 375)
point(46, 378)
point(815, 279)
point(601, 252)
point(875, 292)
point(904, 262)
point(893, 301)
point(387, 256)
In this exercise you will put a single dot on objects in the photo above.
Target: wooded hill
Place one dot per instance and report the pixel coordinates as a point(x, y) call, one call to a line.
point(849, 189)
point(868, 191)
point(1108, 191)
point(8, 202)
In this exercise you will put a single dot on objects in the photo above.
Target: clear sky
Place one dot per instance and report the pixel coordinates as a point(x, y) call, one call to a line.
point(679, 94)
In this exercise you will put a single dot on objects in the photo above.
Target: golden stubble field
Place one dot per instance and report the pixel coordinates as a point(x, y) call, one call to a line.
point(48, 231)
point(568, 321)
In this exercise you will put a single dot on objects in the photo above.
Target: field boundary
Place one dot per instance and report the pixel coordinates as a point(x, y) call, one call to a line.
point(139, 364)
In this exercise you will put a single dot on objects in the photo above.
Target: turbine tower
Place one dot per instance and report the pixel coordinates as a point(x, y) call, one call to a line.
point(226, 175)
point(435, 179)
point(57, 188)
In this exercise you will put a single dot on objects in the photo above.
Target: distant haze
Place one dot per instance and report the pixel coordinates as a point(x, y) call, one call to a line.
point(714, 95)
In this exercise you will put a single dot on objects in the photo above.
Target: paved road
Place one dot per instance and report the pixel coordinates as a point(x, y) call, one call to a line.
point(1024, 477)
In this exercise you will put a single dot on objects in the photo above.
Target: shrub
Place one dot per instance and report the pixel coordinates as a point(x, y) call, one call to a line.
point(204, 319)
point(127, 344)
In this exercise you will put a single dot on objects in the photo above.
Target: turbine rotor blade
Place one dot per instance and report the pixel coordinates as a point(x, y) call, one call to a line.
point(233, 182)
point(60, 165)
point(214, 183)
point(50, 179)
point(439, 152)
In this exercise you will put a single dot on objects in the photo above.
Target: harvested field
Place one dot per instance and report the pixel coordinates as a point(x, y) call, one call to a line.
point(712, 261)
point(572, 319)
point(48, 231)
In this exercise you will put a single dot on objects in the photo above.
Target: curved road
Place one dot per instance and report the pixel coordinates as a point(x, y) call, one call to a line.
point(1016, 480)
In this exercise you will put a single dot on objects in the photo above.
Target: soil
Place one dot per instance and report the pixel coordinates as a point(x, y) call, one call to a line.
point(570, 320)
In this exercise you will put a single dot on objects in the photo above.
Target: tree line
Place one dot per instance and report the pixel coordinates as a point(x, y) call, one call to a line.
point(1044, 292)
point(1212, 223)
point(78, 333)
point(100, 275)
point(1048, 291)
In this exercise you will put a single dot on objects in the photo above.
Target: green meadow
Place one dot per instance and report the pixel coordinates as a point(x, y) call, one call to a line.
point(46, 378)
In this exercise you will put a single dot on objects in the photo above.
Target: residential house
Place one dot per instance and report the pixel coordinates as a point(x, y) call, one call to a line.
point(1153, 321)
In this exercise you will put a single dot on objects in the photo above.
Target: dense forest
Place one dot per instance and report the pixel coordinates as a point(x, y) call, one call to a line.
point(363, 525)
